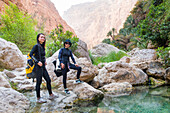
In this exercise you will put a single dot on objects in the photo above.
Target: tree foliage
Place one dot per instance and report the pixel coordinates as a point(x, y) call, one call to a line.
point(149, 22)
point(59, 36)
point(18, 27)
point(155, 27)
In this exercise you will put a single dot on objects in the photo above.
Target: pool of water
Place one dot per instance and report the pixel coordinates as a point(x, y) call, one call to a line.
point(143, 99)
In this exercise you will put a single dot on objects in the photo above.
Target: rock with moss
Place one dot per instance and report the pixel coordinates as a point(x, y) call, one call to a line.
point(167, 75)
point(156, 82)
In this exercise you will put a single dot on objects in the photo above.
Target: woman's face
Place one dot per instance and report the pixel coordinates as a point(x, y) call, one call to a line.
point(67, 45)
point(41, 38)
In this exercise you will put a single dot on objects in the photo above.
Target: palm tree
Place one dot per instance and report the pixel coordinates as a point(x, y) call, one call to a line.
point(111, 33)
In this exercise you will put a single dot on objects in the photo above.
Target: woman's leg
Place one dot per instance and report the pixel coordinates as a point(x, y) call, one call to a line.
point(39, 75)
point(72, 66)
point(64, 72)
point(48, 80)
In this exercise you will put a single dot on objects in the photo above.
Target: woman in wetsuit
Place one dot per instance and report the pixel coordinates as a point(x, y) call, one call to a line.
point(39, 57)
point(63, 57)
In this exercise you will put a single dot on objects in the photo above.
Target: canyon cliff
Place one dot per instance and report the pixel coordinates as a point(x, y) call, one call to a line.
point(43, 11)
point(92, 21)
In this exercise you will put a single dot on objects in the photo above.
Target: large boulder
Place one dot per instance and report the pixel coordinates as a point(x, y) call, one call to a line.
point(120, 72)
point(12, 101)
point(167, 75)
point(117, 88)
point(155, 70)
point(82, 50)
point(88, 70)
point(3, 81)
point(50, 65)
point(138, 56)
point(103, 49)
point(10, 56)
point(85, 93)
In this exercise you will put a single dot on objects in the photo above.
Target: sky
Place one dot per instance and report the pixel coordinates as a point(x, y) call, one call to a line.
point(63, 5)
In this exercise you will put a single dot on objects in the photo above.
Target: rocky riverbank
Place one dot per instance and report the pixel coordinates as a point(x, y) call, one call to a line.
point(114, 78)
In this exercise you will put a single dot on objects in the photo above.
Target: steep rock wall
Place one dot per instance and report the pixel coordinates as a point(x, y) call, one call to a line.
point(92, 21)
point(42, 10)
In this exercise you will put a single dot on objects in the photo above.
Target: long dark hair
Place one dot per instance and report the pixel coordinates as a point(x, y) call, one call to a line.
point(38, 40)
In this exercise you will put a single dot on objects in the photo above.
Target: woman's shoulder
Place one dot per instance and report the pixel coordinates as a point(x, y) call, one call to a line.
point(61, 49)
point(35, 46)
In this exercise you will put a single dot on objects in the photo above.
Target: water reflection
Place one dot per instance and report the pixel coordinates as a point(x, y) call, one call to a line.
point(141, 100)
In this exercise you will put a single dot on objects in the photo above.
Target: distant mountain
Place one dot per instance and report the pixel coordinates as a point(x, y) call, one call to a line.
point(92, 21)
point(43, 10)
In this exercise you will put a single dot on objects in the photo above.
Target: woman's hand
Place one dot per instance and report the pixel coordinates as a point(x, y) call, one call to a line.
point(40, 63)
point(45, 63)
point(76, 65)
point(62, 65)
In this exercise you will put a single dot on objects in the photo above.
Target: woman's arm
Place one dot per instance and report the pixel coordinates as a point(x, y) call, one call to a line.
point(72, 57)
point(35, 49)
point(60, 56)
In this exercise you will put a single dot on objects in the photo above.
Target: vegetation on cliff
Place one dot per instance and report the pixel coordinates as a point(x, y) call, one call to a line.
point(148, 26)
point(18, 27)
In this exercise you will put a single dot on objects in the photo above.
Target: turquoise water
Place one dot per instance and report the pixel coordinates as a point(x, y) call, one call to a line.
point(141, 100)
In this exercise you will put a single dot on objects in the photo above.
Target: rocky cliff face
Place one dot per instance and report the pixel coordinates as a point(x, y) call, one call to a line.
point(92, 21)
point(42, 10)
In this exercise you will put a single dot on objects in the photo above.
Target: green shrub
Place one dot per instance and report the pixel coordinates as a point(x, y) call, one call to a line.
point(91, 57)
point(18, 27)
point(112, 56)
point(164, 54)
point(155, 27)
point(59, 36)
point(14, 85)
point(149, 22)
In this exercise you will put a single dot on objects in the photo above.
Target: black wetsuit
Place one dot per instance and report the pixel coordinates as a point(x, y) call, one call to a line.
point(63, 57)
point(39, 55)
